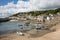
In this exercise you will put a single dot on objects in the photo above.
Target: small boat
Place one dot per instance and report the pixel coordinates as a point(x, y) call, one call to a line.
point(40, 27)
point(25, 27)
point(20, 33)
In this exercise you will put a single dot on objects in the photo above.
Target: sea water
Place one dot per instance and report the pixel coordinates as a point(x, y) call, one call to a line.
point(9, 26)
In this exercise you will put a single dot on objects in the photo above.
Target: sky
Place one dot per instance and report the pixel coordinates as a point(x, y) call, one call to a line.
point(10, 7)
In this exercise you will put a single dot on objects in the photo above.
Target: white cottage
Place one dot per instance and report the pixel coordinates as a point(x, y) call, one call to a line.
point(40, 18)
point(48, 18)
point(51, 16)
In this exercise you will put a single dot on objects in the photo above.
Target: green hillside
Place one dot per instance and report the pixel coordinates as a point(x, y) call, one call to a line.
point(35, 13)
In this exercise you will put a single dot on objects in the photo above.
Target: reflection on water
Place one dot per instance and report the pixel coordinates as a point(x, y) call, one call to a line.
point(9, 26)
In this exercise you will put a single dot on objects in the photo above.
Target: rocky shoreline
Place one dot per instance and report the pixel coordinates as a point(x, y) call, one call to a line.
point(4, 19)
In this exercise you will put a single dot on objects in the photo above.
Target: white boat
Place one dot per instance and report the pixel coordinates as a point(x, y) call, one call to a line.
point(20, 33)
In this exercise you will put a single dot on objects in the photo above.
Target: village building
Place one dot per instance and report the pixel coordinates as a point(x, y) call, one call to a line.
point(48, 18)
point(41, 18)
point(58, 13)
point(51, 16)
point(15, 18)
point(29, 17)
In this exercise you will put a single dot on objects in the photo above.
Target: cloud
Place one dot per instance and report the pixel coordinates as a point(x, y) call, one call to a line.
point(31, 5)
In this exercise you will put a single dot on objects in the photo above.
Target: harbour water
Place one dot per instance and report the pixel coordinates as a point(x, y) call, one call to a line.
point(13, 26)
point(9, 26)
